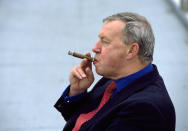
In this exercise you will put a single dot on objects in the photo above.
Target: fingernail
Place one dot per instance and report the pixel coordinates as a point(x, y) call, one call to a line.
point(83, 75)
point(80, 77)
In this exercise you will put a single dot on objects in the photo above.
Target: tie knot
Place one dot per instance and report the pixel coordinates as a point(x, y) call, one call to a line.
point(111, 87)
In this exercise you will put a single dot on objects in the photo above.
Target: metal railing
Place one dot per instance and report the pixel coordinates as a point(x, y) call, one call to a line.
point(180, 11)
point(184, 5)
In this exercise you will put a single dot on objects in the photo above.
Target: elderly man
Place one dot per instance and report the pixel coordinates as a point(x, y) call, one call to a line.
point(131, 95)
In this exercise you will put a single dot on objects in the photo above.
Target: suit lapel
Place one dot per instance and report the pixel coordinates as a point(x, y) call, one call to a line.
point(131, 89)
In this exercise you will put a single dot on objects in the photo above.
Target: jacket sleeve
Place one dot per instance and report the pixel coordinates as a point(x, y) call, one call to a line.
point(74, 108)
point(68, 109)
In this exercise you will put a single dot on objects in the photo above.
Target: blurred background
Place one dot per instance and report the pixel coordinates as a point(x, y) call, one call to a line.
point(36, 35)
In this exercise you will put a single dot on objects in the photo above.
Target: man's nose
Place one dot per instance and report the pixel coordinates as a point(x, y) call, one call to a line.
point(96, 47)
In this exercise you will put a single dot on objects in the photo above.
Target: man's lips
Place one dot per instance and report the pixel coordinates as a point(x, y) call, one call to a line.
point(95, 61)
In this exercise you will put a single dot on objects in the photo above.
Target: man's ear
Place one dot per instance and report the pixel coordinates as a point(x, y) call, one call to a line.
point(133, 50)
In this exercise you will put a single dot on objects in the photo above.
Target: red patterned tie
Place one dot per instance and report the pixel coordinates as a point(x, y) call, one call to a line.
point(87, 116)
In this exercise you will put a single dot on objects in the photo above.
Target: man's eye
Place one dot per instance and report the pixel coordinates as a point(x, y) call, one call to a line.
point(105, 42)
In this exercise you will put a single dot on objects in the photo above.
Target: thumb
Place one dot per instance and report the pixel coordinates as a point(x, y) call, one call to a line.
point(89, 63)
point(89, 74)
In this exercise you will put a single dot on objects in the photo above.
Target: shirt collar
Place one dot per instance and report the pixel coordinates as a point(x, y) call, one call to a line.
point(125, 81)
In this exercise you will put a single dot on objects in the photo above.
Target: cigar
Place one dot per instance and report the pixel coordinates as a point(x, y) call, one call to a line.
point(78, 55)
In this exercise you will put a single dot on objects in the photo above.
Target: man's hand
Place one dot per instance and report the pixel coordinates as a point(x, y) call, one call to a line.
point(81, 77)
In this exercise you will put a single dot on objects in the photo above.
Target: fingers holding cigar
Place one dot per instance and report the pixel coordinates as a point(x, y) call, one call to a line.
point(85, 62)
point(81, 76)
point(84, 69)
point(79, 73)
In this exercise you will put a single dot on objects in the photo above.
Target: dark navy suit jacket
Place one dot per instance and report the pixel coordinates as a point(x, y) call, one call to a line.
point(144, 105)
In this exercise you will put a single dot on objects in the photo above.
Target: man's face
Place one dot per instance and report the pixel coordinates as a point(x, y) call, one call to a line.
point(111, 52)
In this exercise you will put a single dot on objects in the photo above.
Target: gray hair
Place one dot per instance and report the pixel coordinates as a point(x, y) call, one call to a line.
point(137, 30)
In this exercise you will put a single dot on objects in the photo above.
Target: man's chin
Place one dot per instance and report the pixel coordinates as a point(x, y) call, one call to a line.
point(98, 71)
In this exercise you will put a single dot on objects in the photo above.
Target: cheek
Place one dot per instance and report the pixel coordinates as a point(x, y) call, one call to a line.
point(105, 55)
point(109, 60)
point(113, 58)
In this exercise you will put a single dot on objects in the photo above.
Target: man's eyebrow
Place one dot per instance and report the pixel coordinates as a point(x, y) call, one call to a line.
point(103, 37)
